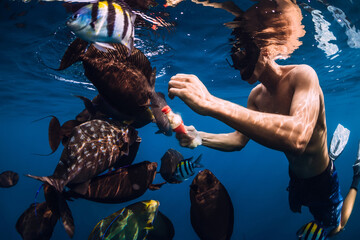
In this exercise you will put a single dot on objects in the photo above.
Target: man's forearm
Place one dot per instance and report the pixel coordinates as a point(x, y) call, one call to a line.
point(226, 142)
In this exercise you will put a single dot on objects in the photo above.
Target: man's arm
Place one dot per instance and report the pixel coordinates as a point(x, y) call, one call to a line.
point(226, 142)
point(288, 133)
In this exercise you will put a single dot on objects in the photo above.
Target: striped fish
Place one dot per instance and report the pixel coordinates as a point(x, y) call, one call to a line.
point(185, 168)
point(104, 22)
point(311, 231)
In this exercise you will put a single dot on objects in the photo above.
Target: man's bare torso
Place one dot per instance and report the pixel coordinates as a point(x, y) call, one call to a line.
point(278, 100)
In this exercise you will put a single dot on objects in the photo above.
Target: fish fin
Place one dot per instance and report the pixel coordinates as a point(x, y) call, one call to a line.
point(228, 6)
point(197, 164)
point(338, 141)
point(73, 53)
point(81, 188)
point(55, 135)
point(58, 205)
point(88, 105)
point(103, 46)
point(67, 127)
point(156, 21)
point(157, 186)
point(66, 216)
point(58, 184)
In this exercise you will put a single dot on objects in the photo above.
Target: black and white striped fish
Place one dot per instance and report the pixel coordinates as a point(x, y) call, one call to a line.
point(105, 22)
point(186, 168)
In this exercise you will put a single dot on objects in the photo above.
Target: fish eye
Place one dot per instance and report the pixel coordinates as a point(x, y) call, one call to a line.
point(75, 16)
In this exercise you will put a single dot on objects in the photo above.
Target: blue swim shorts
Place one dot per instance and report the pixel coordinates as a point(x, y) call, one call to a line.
point(321, 194)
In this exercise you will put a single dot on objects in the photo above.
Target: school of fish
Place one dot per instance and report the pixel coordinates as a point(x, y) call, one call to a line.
point(101, 143)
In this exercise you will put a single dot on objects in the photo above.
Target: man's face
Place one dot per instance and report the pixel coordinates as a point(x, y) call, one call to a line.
point(245, 60)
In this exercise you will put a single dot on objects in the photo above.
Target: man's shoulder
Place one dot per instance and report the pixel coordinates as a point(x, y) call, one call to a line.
point(303, 73)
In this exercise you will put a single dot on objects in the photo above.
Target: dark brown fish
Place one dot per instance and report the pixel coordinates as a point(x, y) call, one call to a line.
point(125, 82)
point(163, 228)
point(39, 225)
point(119, 186)
point(157, 103)
point(94, 146)
point(99, 108)
point(168, 165)
point(8, 179)
point(211, 212)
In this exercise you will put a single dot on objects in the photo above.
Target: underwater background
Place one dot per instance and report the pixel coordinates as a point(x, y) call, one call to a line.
point(32, 41)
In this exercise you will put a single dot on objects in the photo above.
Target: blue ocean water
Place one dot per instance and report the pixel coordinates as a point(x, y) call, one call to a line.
point(34, 38)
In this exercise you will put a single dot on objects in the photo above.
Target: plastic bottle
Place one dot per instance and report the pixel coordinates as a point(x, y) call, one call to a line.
point(175, 120)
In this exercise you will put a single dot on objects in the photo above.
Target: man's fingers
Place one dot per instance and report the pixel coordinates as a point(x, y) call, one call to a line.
point(176, 84)
point(175, 92)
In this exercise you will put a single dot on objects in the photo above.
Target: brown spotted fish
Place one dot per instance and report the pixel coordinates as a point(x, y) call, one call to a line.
point(93, 147)
point(37, 224)
point(8, 179)
point(119, 186)
point(211, 211)
point(125, 82)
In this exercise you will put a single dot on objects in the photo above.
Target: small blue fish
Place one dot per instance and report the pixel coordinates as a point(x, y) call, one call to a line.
point(185, 168)
point(311, 231)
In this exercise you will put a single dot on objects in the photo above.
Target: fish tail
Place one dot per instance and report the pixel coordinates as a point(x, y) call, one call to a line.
point(197, 164)
point(58, 184)
point(58, 205)
point(73, 53)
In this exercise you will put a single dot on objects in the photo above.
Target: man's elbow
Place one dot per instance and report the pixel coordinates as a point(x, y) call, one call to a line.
point(298, 147)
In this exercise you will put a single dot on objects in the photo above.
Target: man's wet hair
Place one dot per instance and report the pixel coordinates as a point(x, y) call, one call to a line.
point(273, 25)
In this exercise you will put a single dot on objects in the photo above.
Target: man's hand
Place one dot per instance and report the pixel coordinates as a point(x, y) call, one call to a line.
point(192, 91)
point(191, 139)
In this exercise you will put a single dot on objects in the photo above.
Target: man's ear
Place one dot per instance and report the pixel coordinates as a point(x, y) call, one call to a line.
point(265, 52)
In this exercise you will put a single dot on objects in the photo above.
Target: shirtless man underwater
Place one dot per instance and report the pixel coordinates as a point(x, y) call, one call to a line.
point(285, 112)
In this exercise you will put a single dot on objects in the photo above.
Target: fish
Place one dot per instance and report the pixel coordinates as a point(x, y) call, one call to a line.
point(130, 223)
point(169, 161)
point(175, 169)
point(104, 22)
point(211, 210)
point(8, 179)
point(125, 84)
point(122, 185)
point(163, 228)
point(94, 146)
point(37, 224)
point(311, 231)
point(157, 103)
point(186, 168)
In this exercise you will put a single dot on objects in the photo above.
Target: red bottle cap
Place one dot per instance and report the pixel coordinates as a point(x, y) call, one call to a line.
point(166, 109)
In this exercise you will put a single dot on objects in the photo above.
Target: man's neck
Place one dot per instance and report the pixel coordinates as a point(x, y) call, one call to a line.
point(271, 76)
